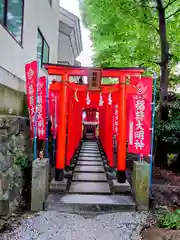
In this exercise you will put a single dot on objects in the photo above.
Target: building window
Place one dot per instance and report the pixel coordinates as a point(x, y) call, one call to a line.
point(11, 17)
point(42, 49)
point(50, 2)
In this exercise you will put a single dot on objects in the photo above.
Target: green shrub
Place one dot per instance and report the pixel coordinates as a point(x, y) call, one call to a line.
point(169, 220)
point(20, 159)
point(169, 130)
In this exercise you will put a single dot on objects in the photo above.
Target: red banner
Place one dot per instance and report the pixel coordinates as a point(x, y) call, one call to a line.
point(53, 103)
point(52, 109)
point(139, 111)
point(31, 71)
point(41, 101)
point(115, 120)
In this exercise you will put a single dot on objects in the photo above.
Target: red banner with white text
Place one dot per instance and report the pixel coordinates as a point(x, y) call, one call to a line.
point(31, 71)
point(53, 104)
point(115, 120)
point(139, 112)
point(41, 101)
point(52, 108)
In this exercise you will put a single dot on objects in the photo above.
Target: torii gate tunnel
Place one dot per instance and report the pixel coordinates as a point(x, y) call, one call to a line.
point(72, 101)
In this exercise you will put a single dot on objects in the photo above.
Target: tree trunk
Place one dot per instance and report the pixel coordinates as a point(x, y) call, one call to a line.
point(161, 158)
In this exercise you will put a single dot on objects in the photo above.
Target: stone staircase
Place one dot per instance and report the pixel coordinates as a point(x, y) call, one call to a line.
point(89, 175)
point(89, 190)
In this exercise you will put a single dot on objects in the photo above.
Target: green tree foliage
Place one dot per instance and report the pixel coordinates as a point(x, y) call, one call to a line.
point(142, 33)
point(135, 33)
point(126, 32)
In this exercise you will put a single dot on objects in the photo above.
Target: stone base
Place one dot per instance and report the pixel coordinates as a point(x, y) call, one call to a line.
point(105, 161)
point(140, 183)
point(68, 174)
point(4, 207)
point(59, 186)
point(71, 167)
point(111, 175)
point(107, 168)
point(2, 224)
point(40, 184)
point(120, 187)
point(74, 161)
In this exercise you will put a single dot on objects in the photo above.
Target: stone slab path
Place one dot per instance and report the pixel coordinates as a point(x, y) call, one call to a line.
point(89, 175)
point(90, 187)
point(52, 225)
point(95, 177)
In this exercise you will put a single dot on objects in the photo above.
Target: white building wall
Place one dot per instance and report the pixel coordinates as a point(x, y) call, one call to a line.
point(65, 51)
point(37, 13)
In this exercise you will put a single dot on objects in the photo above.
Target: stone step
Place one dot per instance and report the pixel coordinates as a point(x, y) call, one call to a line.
point(90, 163)
point(90, 187)
point(91, 177)
point(89, 204)
point(90, 155)
point(90, 143)
point(82, 168)
point(90, 151)
point(90, 148)
point(97, 159)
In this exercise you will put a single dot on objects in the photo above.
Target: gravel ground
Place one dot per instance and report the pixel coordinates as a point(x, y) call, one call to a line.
point(60, 226)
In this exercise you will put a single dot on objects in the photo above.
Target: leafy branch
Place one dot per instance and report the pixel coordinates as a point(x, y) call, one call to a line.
point(173, 14)
point(170, 3)
point(140, 20)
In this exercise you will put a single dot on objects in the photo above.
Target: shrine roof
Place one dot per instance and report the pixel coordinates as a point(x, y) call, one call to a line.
point(46, 65)
point(58, 69)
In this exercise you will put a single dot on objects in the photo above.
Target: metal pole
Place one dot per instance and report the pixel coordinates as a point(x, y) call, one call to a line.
point(47, 120)
point(152, 133)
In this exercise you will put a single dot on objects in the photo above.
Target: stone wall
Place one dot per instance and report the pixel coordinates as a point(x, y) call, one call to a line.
point(15, 156)
point(11, 101)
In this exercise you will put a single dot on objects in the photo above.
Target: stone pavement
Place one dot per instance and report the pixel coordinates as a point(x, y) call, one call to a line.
point(52, 225)
point(89, 175)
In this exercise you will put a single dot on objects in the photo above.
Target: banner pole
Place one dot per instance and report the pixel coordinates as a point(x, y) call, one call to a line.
point(152, 133)
point(47, 121)
point(36, 113)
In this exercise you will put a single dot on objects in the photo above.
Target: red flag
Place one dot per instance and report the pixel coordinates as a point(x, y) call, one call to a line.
point(53, 103)
point(56, 116)
point(52, 109)
point(139, 107)
point(115, 120)
point(41, 101)
point(31, 71)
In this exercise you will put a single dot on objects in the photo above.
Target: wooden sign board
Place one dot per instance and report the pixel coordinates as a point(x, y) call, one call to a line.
point(94, 79)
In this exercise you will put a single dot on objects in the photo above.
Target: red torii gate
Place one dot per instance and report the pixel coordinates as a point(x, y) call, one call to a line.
point(65, 90)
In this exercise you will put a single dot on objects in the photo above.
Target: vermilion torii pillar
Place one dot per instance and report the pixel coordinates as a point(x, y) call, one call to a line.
point(61, 138)
point(70, 152)
point(121, 151)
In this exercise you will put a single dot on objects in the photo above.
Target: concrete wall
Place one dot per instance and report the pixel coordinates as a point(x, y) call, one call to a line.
point(11, 101)
point(36, 14)
point(65, 51)
point(70, 41)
